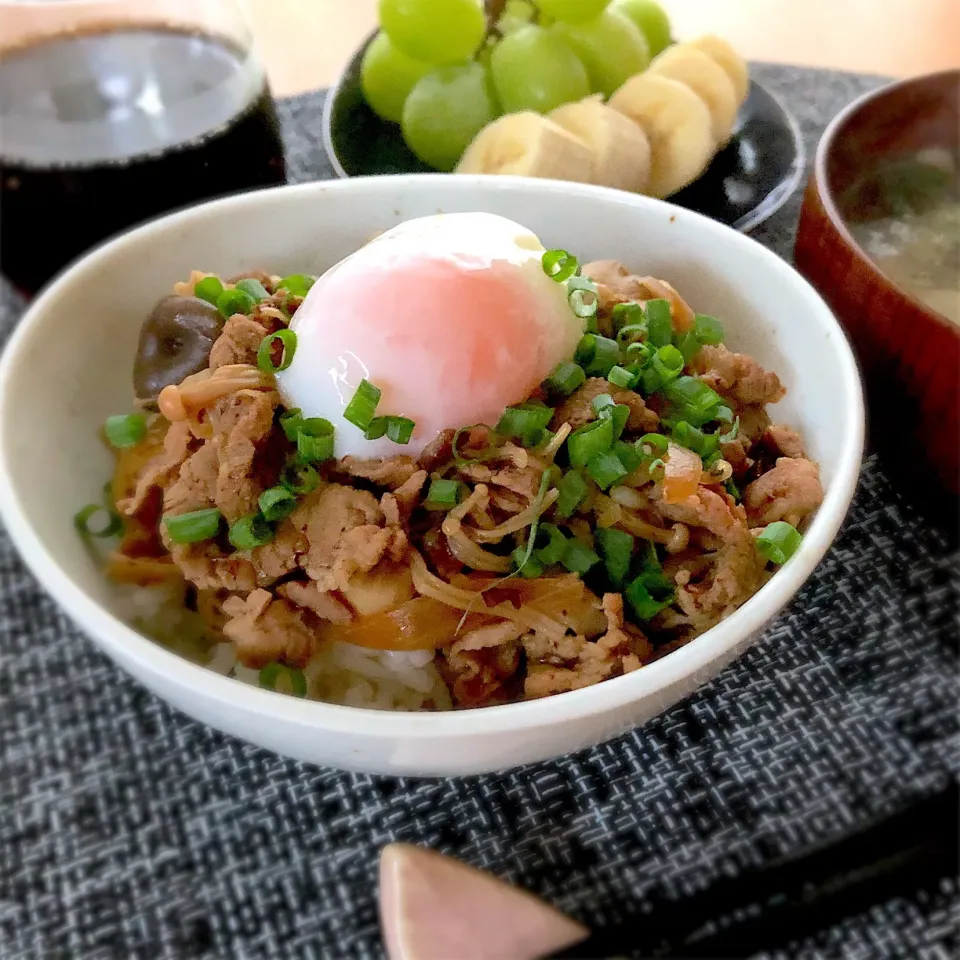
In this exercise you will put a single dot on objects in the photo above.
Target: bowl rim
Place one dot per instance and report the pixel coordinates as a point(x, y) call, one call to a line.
point(821, 181)
point(126, 645)
point(762, 212)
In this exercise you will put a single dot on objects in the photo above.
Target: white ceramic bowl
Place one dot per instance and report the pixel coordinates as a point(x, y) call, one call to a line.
point(68, 365)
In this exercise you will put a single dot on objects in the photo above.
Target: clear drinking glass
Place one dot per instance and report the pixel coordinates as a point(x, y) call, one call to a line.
point(114, 112)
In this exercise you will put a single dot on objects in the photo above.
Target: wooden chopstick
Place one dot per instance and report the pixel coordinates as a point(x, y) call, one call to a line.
point(767, 907)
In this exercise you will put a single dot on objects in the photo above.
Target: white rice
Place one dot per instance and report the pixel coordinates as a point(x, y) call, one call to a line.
point(340, 672)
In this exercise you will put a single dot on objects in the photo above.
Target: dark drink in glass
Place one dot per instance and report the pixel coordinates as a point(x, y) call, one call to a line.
point(105, 128)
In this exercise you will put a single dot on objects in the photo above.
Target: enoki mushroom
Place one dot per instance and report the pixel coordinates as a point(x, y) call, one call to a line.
point(460, 544)
point(186, 400)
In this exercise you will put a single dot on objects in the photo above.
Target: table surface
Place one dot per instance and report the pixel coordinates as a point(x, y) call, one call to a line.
point(128, 830)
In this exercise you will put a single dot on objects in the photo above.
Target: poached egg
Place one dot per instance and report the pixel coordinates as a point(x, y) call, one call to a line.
point(451, 316)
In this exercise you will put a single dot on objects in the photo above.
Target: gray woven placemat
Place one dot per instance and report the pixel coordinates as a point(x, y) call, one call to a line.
point(127, 830)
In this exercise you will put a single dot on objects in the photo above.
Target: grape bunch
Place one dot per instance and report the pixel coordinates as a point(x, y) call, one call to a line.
point(445, 69)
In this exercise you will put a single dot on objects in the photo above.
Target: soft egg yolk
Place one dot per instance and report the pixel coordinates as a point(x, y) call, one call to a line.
point(451, 317)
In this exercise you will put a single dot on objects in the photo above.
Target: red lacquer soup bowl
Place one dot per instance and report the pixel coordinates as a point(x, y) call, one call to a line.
point(909, 352)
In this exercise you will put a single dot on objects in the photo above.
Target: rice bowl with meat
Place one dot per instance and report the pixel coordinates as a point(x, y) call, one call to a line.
point(456, 470)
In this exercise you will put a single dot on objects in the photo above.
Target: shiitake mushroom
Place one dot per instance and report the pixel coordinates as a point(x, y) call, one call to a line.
point(175, 341)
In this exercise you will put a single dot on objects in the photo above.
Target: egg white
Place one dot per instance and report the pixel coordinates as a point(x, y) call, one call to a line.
point(333, 355)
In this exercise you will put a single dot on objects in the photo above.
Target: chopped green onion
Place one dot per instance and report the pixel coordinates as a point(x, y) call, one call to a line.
point(621, 377)
point(656, 467)
point(272, 672)
point(652, 445)
point(112, 526)
point(315, 439)
point(724, 413)
point(193, 527)
point(597, 355)
point(708, 330)
point(377, 429)
point(601, 402)
point(209, 289)
point(732, 489)
point(631, 335)
point(297, 284)
point(566, 378)
point(659, 324)
point(688, 345)
point(400, 429)
point(640, 352)
point(618, 414)
point(582, 297)
point(606, 355)
point(668, 362)
point(253, 287)
point(644, 602)
point(397, 429)
point(779, 542)
point(589, 440)
point(290, 422)
point(250, 531)
point(628, 316)
point(537, 505)
point(651, 591)
point(361, 409)
point(693, 438)
point(459, 458)
point(693, 400)
point(573, 488)
point(606, 469)
point(125, 429)
point(288, 340)
point(524, 420)
point(528, 565)
point(234, 301)
point(732, 433)
point(627, 455)
point(579, 558)
point(277, 503)
point(559, 265)
point(650, 380)
point(616, 548)
point(556, 546)
point(649, 560)
point(299, 477)
point(710, 449)
point(444, 494)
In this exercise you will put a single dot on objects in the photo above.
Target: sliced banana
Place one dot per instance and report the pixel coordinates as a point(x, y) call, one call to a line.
point(706, 79)
point(621, 151)
point(528, 145)
point(677, 124)
point(732, 64)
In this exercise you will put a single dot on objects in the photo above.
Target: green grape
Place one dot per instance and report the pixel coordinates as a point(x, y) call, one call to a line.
point(387, 75)
point(438, 31)
point(611, 47)
point(652, 20)
point(535, 69)
point(516, 14)
point(445, 111)
point(572, 11)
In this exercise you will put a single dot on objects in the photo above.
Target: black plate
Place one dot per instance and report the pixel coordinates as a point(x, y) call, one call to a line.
point(747, 181)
